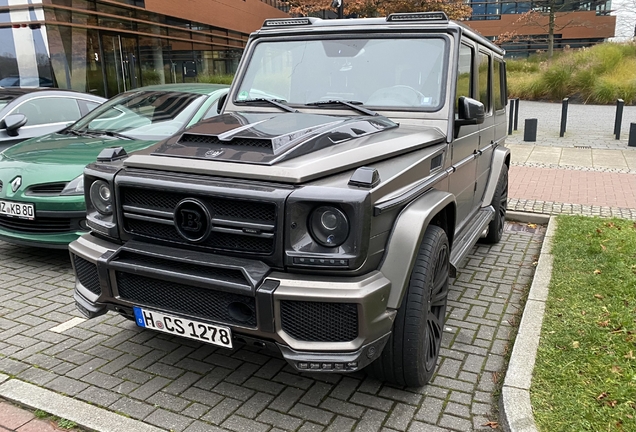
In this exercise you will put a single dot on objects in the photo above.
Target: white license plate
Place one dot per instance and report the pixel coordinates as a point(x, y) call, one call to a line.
point(15, 209)
point(203, 332)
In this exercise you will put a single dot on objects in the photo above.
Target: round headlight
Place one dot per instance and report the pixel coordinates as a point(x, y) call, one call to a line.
point(101, 197)
point(329, 226)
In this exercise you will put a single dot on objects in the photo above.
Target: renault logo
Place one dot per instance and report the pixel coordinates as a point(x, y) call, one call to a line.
point(16, 183)
point(192, 220)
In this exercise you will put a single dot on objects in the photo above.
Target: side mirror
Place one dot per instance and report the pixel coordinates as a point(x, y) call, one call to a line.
point(221, 102)
point(470, 112)
point(13, 122)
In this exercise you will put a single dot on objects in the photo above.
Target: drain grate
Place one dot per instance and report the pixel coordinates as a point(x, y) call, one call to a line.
point(582, 147)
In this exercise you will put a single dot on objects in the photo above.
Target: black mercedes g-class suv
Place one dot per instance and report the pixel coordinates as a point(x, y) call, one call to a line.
point(353, 166)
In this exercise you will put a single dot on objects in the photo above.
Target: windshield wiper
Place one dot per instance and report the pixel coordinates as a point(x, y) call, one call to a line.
point(114, 134)
point(90, 132)
point(354, 105)
point(280, 103)
point(74, 132)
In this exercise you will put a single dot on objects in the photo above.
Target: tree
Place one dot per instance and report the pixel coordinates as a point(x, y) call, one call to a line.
point(455, 9)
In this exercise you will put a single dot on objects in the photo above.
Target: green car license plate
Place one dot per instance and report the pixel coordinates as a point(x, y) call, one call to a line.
point(203, 332)
point(19, 210)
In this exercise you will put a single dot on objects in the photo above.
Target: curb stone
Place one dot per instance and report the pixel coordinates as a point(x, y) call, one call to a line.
point(83, 414)
point(516, 410)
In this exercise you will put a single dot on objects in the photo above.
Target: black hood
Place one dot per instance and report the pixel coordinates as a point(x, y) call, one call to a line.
point(266, 138)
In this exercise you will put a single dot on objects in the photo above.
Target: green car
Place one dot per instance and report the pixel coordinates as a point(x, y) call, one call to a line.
point(41, 184)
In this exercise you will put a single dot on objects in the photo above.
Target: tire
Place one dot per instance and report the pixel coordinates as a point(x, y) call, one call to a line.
point(410, 355)
point(500, 204)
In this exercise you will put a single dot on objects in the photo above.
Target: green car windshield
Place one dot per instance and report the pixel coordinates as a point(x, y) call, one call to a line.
point(142, 115)
point(381, 73)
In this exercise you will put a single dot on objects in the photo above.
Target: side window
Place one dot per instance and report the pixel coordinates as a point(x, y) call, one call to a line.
point(464, 73)
point(484, 80)
point(49, 110)
point(498, 85)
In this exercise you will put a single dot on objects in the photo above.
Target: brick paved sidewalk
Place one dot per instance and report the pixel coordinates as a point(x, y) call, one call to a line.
point(181, 385)
point(590, 188)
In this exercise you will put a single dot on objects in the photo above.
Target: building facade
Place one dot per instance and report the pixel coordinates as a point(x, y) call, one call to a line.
point(577, 23)
point(105, 47)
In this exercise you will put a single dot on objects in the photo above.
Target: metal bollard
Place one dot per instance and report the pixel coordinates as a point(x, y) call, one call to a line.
point(511, 111)
point(516, 113)
point(618, 120)
point(632, 135)
point(564, 116)
point(530, 130)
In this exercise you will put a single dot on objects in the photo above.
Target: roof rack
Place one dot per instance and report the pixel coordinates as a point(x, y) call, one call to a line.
point(285, 22)
point(418, 16)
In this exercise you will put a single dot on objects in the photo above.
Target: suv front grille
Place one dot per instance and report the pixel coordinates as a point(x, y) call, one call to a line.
point(319, 322)
point(232, 220)
point(179, 298)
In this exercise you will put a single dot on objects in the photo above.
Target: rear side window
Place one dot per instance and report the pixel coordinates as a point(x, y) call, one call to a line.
point(499, 85)
point(464, 73)
point(484, 80)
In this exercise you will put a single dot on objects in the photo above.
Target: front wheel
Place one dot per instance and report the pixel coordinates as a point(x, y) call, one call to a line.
point(410, 355)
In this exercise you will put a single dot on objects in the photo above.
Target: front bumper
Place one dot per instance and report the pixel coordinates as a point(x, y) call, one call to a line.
point(49, 229)
point(318, 323)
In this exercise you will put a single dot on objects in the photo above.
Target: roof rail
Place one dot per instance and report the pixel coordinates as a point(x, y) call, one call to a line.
point(285, 22)
point(418, 16)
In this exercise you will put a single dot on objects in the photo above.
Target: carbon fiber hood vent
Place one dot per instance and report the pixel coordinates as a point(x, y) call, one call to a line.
point(266, 138)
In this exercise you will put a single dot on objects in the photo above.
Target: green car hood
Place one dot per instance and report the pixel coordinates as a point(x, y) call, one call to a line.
point(57, 158)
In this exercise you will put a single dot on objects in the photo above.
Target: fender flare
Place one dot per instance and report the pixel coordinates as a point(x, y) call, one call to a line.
point(500, 156)
point(405, 240)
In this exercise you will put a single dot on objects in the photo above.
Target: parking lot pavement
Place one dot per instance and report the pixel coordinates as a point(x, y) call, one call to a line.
point(179, 385)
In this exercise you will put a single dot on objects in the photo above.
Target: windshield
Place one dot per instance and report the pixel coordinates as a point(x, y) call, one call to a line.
point(381, 73)
point(142, 115)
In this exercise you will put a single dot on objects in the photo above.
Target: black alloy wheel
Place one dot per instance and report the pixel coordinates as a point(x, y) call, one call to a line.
point(410, 355)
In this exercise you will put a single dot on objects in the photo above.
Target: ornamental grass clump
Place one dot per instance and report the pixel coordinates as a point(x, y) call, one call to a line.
point(597, 75)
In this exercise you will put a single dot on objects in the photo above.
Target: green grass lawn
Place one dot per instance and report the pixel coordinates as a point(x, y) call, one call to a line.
point(585, 375)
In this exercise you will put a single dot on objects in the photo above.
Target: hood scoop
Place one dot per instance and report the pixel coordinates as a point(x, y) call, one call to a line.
point(214, 142)
point(266, 139)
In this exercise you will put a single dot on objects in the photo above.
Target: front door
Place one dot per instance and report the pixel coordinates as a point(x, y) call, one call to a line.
point(120, 63)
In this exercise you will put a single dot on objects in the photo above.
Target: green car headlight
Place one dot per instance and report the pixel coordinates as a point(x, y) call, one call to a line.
point(75, 186)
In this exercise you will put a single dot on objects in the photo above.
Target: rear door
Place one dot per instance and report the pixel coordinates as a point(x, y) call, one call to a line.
point(487, 128)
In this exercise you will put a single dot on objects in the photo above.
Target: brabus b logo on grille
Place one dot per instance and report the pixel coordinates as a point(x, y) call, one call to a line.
point(192, 220)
